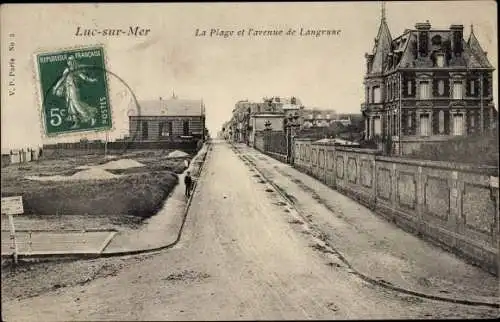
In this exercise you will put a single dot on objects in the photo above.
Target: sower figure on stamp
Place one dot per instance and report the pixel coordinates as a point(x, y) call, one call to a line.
point(188, 182)
point(67, 85)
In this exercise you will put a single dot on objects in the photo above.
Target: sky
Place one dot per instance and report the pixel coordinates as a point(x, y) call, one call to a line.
point(324, 72)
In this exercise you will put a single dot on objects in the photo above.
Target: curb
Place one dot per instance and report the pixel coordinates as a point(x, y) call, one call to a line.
point(88, 230)
point(201, 157)
point(358, 273)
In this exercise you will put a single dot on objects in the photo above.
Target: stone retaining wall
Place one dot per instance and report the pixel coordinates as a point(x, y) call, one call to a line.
point(453, 205)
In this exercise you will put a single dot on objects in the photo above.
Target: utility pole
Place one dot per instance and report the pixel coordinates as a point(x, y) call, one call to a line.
point(400, 115)
point(481, 104)
point(106, 145)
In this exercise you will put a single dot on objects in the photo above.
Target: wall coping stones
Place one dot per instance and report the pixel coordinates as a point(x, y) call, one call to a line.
point(453, 166)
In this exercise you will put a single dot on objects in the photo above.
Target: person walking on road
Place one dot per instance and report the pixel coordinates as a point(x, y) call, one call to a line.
point(188, 182)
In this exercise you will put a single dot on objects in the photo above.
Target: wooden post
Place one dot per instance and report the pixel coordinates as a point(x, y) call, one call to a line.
point(106, 145)
point(482, 106)
point(30, 243)
point(12, 206)
point(13, 238)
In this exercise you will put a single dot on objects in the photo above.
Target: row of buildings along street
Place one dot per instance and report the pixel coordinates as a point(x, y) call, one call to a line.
point(303, 207)
point(425, 86)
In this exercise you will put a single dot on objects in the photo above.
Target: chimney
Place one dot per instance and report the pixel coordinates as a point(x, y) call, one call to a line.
point(457, 34)
point(423, 38)
point(369, 61)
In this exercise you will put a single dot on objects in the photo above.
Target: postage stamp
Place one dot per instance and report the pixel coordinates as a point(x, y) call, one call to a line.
point(74, 90)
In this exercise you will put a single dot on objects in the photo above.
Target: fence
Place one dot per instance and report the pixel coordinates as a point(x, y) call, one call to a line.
point(272, 143)
point(20, 156)
point(453, 205)
point(88, 148)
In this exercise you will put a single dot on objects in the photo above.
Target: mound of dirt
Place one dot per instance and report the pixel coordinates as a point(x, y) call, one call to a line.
point(114, 165)
point(177, 154)
point(121, 164)
point(89, 174)
point(93, 174)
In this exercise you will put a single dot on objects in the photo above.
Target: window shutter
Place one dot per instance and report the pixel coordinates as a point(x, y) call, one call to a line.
point(435, 89)
point(476, 87)
point(486, 118)
point(384, 125)
point(413, 129)
point(468, 116)
point(486, 86)
point(447, 122)
point(468, 87)
point(435, 121)
point(447, 87)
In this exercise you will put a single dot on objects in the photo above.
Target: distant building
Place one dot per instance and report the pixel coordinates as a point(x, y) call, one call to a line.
point(310, 117)
point(249, 117)
point(168, 120)
point(427, 85)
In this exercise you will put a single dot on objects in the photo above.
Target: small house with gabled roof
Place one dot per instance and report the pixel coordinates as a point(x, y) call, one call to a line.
point(166, 120)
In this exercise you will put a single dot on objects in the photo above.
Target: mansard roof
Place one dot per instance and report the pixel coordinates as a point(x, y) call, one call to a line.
point(401, 52)
point(477, 51)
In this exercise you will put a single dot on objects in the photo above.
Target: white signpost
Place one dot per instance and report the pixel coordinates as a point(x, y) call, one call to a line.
point(12, 206)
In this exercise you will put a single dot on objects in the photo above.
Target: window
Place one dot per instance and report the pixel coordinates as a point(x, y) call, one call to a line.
point(472, 87)
point(440, 60)
point(424, 90)
point(394, 124)
point(185, 128)
point(389, 123)
point(166, 129)
point(425, 125)
point(377, 126)
point(457, 91)
point(441, 122)
point(376, 94)
point(441, 87)
point(458, 124)
point(409, 120)
point(144, 130)
point(409, 88)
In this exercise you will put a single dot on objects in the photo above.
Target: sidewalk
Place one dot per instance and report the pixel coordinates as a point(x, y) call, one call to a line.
point(158, 232)
point(373, 246)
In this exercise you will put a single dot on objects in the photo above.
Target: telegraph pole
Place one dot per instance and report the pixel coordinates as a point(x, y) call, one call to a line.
point(482, 105)
point(106, 144)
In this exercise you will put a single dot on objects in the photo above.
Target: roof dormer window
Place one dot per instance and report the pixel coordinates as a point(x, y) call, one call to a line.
point(440, 60)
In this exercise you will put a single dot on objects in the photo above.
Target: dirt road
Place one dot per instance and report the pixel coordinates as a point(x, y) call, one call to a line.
point(244, 254)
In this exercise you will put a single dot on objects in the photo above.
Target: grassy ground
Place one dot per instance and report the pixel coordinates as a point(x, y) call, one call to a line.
point(479, 150)
point(137, 194)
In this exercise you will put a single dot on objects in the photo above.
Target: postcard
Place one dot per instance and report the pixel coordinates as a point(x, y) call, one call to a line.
point(249, 161)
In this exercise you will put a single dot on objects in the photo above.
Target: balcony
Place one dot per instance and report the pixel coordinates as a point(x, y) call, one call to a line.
point(371, 106)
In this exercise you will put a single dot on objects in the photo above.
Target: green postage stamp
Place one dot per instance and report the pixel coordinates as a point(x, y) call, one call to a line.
point(74, 90)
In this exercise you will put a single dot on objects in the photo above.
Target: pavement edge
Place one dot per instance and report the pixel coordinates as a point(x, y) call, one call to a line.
point(356, 272)
point(198, 163)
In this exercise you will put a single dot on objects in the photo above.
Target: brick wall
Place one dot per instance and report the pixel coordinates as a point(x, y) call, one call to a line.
point(454, 205)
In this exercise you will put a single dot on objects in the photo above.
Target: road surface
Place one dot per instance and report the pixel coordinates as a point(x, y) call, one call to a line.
point(244, 254)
